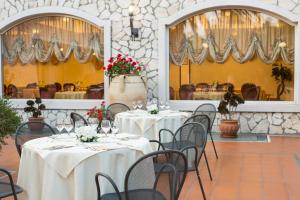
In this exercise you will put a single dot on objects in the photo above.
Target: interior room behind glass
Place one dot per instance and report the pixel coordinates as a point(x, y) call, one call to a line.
point(53, 57)
point(246, 49)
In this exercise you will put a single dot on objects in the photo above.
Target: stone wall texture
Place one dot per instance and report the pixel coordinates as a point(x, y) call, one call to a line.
point(146, 18)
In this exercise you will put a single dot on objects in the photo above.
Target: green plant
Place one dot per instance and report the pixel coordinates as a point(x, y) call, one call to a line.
point(35, 111)
point(229, 103)
point(282, 74)
point(9, 120)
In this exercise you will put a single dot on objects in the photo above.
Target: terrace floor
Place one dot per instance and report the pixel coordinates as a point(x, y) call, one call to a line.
point(244, 170)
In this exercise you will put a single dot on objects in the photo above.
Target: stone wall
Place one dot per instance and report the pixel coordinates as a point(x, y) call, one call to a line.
point(146, 18)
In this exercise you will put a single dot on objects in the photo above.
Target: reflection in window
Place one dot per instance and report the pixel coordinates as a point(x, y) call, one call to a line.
point(211, 51)
point(55, 57)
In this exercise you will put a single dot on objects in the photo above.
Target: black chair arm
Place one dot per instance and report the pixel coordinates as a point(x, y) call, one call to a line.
point(110, 181)
point(11, 182)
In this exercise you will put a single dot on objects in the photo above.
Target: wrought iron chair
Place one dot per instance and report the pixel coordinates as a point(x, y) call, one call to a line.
point(140, 183)
point(114, 109)
point(75, 117)
point(31, 130)
point(8, 189)
point(191, 140)
point(204, 120)
point(211, 111)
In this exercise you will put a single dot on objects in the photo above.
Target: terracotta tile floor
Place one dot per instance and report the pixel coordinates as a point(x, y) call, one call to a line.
point(245, 171)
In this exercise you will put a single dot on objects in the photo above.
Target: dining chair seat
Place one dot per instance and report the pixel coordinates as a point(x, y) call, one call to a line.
point(6, 190)
point(144, 194)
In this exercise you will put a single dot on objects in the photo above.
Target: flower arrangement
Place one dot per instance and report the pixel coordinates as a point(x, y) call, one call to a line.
point(122, 64)
point(152, 109)
point(98, 113)
point(87, 134)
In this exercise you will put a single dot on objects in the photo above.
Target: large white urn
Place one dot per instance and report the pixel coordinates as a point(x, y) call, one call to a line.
point(127, 89)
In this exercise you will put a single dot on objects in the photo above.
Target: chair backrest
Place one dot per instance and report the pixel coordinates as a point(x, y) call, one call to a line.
point(207, 109)
point(69, 87)
point(12, 91)
point(114, 109)
point(161, 185)
point(171, 93)
point(75, 117)
point(186, 92)
point(191, 134)
point(202, 119)
point(202, 86)
point(31, 130)
point(57, 86)
point(31, 85)
point(95, 93)
point(250, 91)
point(47, 93)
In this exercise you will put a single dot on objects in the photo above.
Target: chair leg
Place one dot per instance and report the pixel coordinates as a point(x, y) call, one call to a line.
point(208, 168)
point(200, 183)
point(213, 143)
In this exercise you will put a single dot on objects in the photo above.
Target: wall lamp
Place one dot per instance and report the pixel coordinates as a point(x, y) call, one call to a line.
point(134, 31)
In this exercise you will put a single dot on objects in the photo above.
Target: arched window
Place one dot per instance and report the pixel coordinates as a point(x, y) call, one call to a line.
point(249, 50)
point(53, 57)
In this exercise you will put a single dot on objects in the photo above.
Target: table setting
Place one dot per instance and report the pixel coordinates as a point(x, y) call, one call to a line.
point(148, 122)
point(57, 166)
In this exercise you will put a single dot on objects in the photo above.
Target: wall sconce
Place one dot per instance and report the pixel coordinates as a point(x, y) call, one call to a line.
point(134, 31)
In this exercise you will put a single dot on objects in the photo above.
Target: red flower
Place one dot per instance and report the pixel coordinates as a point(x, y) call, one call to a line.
point(109, 67)
point(129, 59)
point(115, 64)
point(139, 68)
point(133, 63)
point(119, 55)
point(111, 59)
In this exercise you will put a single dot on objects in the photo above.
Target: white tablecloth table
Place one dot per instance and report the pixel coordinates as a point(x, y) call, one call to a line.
point(70, 95)
point(147, 125)
point(69, 173)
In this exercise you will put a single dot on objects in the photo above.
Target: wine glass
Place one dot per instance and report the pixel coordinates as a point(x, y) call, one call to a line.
point(161, 105)
point(105, 125)
point(60, 125)
point(114, 128)
point(68, 126)
point(140, 104)
point(78, 124)
point(134, 105)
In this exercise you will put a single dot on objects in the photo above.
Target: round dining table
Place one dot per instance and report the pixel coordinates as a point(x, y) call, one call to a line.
point(63, 168)
point(144, 124)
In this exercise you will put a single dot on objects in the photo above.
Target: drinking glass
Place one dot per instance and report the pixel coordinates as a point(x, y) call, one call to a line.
point(162, 105)
point(140, 104)
point(78, 124)
point(68, 126)
point(60, 125)
point(105, 125)
point(114, 128)
point(134, 105)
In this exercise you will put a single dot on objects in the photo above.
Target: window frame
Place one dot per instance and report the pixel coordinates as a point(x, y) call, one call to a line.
point(59, 11)
point(249, 106)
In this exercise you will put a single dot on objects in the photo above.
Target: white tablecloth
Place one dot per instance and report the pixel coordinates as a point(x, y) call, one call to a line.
point(70, 95)
point(147, 125)
point(46, 173)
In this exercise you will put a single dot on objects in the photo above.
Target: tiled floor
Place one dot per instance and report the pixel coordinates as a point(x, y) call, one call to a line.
point(254, 171)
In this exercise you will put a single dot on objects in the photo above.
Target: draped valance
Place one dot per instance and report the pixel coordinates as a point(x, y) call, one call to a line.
point(59, 36)
point(242, 34)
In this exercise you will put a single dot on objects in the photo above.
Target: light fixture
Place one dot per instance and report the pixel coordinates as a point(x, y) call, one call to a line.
point(134, 31)
point(282, 45)
point(61, 49)
point(205, 45)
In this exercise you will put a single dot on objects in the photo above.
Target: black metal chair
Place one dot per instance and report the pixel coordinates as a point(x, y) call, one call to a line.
point(142, 184)
point(8, 189)
point(191, 140)
point(31, 130)
point(204, 120)
point(211, 111)
point(114, 109)
point(75, 117)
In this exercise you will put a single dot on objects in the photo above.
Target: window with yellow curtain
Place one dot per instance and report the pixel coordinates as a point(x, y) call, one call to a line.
point(245, 49)
point(53, 57)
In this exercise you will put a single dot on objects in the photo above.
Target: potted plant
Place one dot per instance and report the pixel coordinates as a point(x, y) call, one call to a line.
point(282, 74)
point(229, 126)
point(35, 108)
point(9, 120)
point(126, 83)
